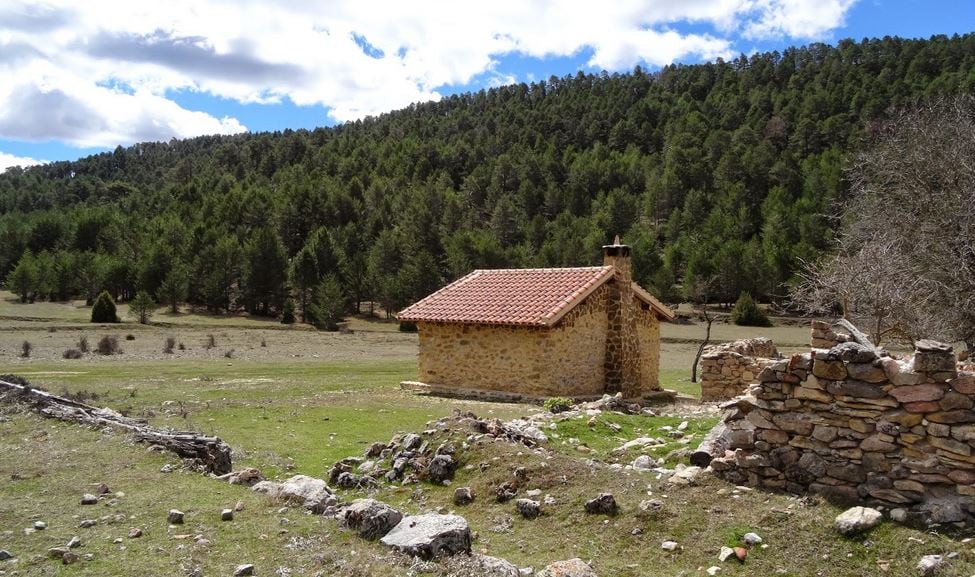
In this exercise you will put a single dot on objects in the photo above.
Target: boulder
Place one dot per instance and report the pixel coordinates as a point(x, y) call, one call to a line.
point(89, 499)
point(930, 564)
point(430, 535)
point(857, 520)
point(528, 508)
point(603, 504)
point(463, 496)
point(568, 568)
point(175, 517)
point(488, 566)
point(309, 492)
point(370, 518)
point(440, 468)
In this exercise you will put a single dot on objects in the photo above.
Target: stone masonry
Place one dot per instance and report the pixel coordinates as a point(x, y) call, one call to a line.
point(726, 369)
point(854, 426)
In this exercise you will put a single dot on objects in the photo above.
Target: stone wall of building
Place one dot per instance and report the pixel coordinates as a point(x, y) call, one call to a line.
point(648, 339)
point(565, 360)
point(726, 369)
point(853, 426)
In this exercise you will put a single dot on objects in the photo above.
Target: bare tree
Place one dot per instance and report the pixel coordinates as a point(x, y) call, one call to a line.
point(700, 293)
point(906, 250)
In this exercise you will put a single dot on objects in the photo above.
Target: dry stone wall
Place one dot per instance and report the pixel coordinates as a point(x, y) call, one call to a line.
point(728, 368)
point(853, 426)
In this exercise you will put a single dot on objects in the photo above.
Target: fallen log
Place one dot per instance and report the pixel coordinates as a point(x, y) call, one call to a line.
point(713, 445)
point(211, 452)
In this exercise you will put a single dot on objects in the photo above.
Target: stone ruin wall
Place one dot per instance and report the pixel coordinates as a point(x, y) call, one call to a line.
point(852, 426)
point(728, 368)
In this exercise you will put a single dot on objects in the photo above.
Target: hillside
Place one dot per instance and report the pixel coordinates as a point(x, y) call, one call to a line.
point(716, 169)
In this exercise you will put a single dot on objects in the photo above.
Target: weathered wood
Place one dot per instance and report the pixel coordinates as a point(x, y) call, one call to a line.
point(713, 445)
point(857, 334)
point(212, 452)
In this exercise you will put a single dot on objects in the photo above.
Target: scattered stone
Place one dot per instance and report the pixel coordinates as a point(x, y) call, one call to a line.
point(670, 546)
point(89, 499)
point(930, 564)
point(441, 467)
point(370, 518)
point(88, 523)
point(69, 557)
point(175, 517)
point(506, 491)
point(247, 477)
point(74, 543)
point(568, 568)
point(103, 489)
point(685, 476)
point(239, 506)
point(167, 468)
point(227, 515)
point(40, 525)
point(603, 504)
point(494, 567)
point(741, 553)
point(313, 494)
point(135, 533)
point(725, 553)
point(713, 570)
point(430, 535)
point(751, 539)
point(528, 508)
point(651, 506)
point(644, 463)
point(57, 552)
point(4, 555)
point(244, 570)
point(857, 520)
point(463, 496)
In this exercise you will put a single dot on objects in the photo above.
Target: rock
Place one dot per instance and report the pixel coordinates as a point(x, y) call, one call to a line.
point(311, 493)
point(528, 508)
point(348, 480)
point(670, 546)
point(370, 518)
point(440, 468)
point(246, 477)
point(430, 535)
point(603, 504)
point(506, 491)
point(651, 506)
point(135, 533)
point(57, 552)
point(411, 441)
point(857, 520)
point(102, 489)
point(930, 564)
point(751, 539)
point(74, 542)
point(89, 499)
point(227, 515)
point(40, 525)
point(644, 463)
point(713, 570)
point(463, 496)
point(741, 553)
point(239, 506)
point(686, 476)
point(244, 570)
point(175, 517)
point(725, 553)
point(4, 555)
point(88, 523)
point(69, 557)
point(568, 568)
point(493, 566)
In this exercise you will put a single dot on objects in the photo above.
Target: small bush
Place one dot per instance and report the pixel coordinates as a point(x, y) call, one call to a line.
point(211, 342)
point(26, 349)
point(130, 337)
point(73, 354)
point(52, 329)
point(104, 309)
point(557, 404)
point(288, 314)
point(83, 344)
point(263, 342)
point(229, 354)
point(747, 313)
point(108, 345)
point(407, 327)
point(181, 346)
point(168, 346)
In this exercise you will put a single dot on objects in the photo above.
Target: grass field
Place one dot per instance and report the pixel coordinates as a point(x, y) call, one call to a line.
point(292, 400)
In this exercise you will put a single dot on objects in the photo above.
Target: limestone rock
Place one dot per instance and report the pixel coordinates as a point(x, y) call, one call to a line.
point(725, 553)
point(87, 523)
point(488, 566)
point(603, 504)
point(89, 499)
point(430, 535)
point(40, 525)
point(930, 564)
point(441, 467)
point(247, 477)
point(644, 463)
point(227, 515)
point(74, 542)
point(311, 493)
point(244, 570)
point(569, 568)
point(751, 539)
point(669, 545)
point(857, 520)
point(463, 496)
point(135, 533)
point(4, 555)
point(370, 518)
point(175, 517)
point(528, 508)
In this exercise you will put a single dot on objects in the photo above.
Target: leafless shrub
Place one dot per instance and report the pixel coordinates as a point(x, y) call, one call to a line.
point(83, 344)
point(73, 354)
point(211, 342)
point(130, 337)
point(181, 346)
point(229, 354)
point(108, 345)
point(168, 346)
point(26, 349)
point(263, 342)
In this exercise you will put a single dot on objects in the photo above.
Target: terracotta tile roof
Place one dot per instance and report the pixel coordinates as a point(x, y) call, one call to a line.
point(527, 296)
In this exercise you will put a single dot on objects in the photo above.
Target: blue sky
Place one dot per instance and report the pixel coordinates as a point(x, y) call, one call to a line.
point(81, 78)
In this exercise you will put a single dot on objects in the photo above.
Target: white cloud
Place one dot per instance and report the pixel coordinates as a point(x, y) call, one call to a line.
point(8, 160)
point(59, 59)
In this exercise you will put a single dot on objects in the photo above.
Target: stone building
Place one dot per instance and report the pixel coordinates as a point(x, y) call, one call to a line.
point(523, 333)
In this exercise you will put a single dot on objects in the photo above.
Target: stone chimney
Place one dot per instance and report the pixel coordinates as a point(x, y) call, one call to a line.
point(622, 363)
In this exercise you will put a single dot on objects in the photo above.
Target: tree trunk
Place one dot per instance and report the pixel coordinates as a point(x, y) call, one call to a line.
point(211, 452)
point(700, 349)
